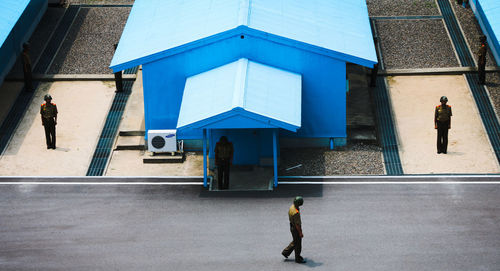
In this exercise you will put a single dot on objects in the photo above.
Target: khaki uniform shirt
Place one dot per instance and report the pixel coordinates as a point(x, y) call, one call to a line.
point(443, 113)
point(48, 111)
point(294, 215)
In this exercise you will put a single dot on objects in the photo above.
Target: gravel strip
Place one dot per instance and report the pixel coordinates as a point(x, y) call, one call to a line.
point(355, 159)
point(471, 30)
point(408, 44)
point(402, 7)
point(88, 47)
point(100, 2)
point(39, 37)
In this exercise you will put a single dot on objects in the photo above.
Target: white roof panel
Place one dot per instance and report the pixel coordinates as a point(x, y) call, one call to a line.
point(243, 86)
point(158, 25)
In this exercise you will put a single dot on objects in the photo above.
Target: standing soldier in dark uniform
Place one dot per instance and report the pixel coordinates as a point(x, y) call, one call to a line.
point(296, 229)
point(481, 63)
point(223, 160)
point(28, 77)
point(442, 122)
point(118, 77)
point(48, 111)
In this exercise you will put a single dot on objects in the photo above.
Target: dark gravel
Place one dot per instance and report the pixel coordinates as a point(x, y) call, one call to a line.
point(493, 85)
point(408, 44)
point(402, 7)
point(88, 47)
point(353, 159)
point(100, 2)
point(471, 30)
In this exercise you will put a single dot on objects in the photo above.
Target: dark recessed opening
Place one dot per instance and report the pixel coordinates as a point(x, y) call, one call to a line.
point(242, 37)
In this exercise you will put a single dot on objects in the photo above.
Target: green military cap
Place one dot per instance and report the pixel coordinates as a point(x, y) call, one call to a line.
point(298, 201)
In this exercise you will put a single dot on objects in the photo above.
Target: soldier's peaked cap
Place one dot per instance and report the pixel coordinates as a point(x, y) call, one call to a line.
point(443, 99)
point(298, 201)
point(47, 97)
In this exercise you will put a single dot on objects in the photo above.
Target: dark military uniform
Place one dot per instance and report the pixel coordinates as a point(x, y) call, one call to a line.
point(223, 157)
point(442, 119)
point(481, 63)
point(49, 117)
point(296, 244)
point(28, 77)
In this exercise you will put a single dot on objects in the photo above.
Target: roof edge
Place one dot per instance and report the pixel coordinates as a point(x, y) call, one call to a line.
point(237, 31)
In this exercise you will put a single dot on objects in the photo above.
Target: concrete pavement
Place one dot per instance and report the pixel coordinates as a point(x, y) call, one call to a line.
point(414, 99)
point(346, 226)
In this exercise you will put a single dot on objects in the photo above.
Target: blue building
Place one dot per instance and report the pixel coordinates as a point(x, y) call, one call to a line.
point(18, 20)
point(488, 15)
point(261, 72)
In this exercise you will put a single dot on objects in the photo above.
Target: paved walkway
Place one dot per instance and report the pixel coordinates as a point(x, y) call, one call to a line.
point(414, 99)
point(82, 109)
point(346, 227)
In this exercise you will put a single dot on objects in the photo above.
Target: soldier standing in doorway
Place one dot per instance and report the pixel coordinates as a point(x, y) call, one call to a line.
point(48, 111)
point(28, 77)
point(296, 230)
point(481, 63)
point(442, 122)
point(223, 160)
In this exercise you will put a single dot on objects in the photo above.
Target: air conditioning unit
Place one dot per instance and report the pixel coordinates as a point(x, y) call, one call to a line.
point(162, 140)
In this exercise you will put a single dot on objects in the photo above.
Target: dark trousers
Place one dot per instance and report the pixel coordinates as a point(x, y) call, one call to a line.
point(50, 134)
point(28, 81)
point(442, 136)
point(223, 173)
point(481, 73)
point(295, 245)
point(118, 81)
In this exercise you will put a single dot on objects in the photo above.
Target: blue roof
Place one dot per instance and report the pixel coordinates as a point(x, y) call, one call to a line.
point(155, 26)
point(491, 9)
point(242, 94)
point(10, 12)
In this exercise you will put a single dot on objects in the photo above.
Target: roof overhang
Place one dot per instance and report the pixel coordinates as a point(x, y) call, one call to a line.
point(242, 95)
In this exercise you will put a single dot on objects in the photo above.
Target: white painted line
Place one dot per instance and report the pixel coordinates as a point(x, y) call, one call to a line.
point(392, 177)
point(102, 183)
point(389, 182)
point(101, 177)
point(280, 183)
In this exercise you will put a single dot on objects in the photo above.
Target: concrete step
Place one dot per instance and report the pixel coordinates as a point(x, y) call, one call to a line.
point(365, 134)
point(163, 158)
point(130, 143)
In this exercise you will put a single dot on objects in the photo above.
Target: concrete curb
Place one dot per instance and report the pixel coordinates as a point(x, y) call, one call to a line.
point(74, 77)
point(436, 71)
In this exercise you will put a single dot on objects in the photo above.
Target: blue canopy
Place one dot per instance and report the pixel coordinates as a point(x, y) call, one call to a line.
point(242, 94)
point(488, 12)
point(10, 12)
point(158, 28)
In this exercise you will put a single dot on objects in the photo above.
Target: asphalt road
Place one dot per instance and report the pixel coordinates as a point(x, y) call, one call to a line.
point(165, 227)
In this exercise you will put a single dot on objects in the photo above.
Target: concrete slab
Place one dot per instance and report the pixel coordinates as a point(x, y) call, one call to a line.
point(413, 101)
point(82, 110)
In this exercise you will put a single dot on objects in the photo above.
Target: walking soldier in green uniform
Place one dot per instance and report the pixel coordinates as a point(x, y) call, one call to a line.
point(296, 230)
point(442, 122)
point(48, 112)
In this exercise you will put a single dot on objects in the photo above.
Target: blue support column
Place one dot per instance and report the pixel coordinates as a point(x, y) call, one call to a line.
point(275, 156)
point(204, 157)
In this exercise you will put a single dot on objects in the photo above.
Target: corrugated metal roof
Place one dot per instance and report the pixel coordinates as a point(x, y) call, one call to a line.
point(10, 12)
point(157, 25)
point(242, 94)
point(491, 9)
